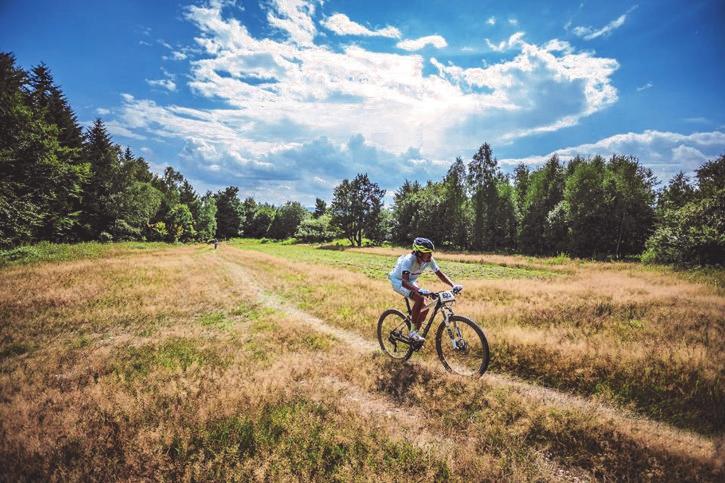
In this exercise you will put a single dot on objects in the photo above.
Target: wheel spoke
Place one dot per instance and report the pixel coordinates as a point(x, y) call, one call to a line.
point(462, 347)
point(392, 327)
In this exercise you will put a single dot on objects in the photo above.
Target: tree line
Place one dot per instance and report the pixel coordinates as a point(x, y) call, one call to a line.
point(63, 184)
point(593, 208)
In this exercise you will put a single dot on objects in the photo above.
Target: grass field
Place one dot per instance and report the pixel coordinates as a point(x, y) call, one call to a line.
point(258, 361)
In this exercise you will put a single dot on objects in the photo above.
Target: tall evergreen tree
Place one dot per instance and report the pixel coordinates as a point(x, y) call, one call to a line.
point(49, 102)
point(455, 201)
point(102, 155)
point(482, 177)
point(39, 186)
point(230, 213)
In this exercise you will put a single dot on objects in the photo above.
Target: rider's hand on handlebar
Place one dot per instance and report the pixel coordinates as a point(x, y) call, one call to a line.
point(457, 288)
point(423, 292)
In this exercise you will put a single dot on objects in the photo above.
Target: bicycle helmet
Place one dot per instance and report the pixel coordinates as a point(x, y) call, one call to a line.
point(423, 245)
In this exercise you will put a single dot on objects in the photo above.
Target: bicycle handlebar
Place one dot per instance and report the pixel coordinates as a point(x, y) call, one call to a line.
point(435, 295)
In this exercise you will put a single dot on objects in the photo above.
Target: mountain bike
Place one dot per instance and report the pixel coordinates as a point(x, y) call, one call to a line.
point(461, 345)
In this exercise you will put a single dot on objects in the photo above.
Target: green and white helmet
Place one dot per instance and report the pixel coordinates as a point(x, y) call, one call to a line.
point(423, 245)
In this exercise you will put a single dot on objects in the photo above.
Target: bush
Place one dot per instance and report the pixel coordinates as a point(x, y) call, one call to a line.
point(315, 230)
point(691, 235)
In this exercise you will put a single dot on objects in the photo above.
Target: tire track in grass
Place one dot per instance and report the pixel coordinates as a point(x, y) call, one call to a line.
point(655, 435)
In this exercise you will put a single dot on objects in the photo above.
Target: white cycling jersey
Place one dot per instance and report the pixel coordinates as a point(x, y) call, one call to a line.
point(409, 263)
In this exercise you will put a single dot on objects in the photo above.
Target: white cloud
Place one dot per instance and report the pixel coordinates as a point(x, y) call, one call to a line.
point(342, 25)
point(556, 45)
point(590, 33)
point(167, 84)
point(513, 41)
point(117, 129)
point(648, 85)
point(664, 152)
point(513, 21)
point(697, 120)
point(295, 18)
point(435, 40)
point(282, 96)
point(102, 111)
point(491, 20)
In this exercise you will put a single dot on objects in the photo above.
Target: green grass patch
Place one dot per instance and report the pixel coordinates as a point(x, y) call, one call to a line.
point(261, 326)
point(378, 266)
point(55, 252)
point(174, 354)
point(214, 319)
point(253, 311)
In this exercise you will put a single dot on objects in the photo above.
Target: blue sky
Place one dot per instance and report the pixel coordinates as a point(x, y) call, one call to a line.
point(286, 98)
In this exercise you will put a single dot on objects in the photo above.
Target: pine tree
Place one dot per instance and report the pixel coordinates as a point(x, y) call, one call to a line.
point(320, 208)
point(50, 102)
point(102, 155)
point(39, 186)
point(483, 174)
point(455, 200)
point(230, 213)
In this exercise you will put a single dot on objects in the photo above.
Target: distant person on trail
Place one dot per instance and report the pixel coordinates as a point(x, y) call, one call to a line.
point(407, 269)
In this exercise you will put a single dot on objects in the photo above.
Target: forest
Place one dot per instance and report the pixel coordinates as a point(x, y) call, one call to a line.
point(62, 183)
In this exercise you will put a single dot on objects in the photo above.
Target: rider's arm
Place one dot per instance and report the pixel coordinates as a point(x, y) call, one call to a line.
point(408, 284)
point(444, 278)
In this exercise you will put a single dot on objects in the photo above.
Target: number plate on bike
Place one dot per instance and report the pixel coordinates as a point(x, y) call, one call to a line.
point(447, 297)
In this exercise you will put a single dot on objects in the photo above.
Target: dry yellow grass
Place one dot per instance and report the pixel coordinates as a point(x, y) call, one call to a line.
point(635, 338)
point(184, 364)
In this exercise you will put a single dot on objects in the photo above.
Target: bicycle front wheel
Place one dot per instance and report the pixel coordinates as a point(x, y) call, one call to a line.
point(462, 347)
point(392, 326)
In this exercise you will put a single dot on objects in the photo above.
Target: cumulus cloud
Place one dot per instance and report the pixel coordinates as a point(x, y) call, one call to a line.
point(664, 152)
point(285, 96)
point(416, 44)
point(590, 33)
point(295, 18)
point(491, 20)
point(342, 25)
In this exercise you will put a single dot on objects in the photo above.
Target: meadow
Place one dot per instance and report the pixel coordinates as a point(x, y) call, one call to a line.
point(258, 361)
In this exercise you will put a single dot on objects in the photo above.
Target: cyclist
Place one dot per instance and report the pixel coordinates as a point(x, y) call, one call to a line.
point(407, 269)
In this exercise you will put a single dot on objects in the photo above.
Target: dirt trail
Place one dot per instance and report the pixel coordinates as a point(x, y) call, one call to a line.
point(648, 433)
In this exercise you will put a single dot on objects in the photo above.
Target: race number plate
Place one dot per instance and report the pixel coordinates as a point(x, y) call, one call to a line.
point(447, 297)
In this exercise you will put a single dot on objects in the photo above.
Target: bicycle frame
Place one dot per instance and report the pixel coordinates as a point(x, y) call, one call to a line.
point(445, 308)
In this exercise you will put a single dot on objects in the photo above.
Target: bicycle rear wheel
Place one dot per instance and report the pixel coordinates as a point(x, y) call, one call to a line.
point(392, 326)
point(462, 347)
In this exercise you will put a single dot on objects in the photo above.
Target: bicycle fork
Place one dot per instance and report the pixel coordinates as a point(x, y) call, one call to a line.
point(454, 332)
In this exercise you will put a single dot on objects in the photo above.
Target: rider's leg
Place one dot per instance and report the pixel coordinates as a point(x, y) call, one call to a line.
point(418, 315)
